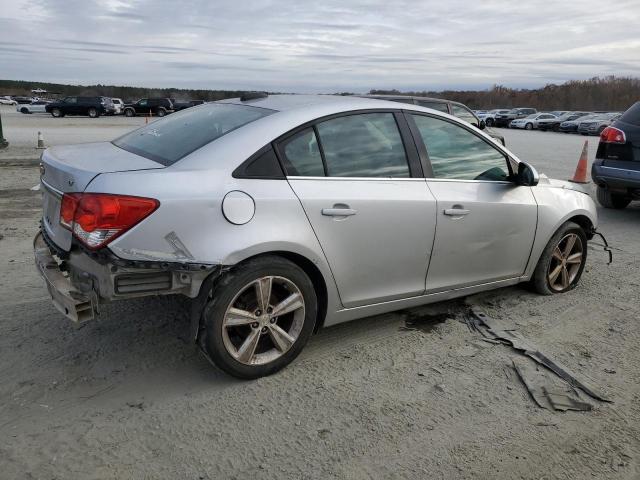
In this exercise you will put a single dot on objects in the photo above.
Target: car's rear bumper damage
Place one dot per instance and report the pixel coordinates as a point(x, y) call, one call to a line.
point(79, 282)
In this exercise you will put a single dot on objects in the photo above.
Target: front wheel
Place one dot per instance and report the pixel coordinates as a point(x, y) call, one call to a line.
point(489, 122)
point(611, 200)
point(562, 261)
point(260, 317)
point(161, 112)
point(56, 112)
point(93, 113)
point(529, 126)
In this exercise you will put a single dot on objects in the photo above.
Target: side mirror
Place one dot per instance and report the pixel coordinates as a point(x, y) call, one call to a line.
point(527, 175)
point(482, 125)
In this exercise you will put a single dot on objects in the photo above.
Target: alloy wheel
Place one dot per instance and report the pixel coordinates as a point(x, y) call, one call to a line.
point(565, 262)
point(263, 320)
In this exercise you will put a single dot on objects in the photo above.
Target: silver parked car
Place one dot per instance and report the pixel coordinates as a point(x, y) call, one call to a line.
point(280, 214)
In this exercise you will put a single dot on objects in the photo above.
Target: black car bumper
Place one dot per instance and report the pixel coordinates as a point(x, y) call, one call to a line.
point(622, 177)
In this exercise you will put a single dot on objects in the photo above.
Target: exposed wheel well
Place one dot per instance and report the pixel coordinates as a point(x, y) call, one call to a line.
point(585, 223)
point(314, 274)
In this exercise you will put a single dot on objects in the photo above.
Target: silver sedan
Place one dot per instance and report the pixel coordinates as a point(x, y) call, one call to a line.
point(278, 215)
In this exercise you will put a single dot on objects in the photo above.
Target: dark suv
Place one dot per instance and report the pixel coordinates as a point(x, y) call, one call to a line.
point(149, 106)
point(456, 109)
point(91, 106)
point(504, 119)
point(616, 169)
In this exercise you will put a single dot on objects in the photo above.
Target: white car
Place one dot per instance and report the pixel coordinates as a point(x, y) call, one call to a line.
point(7, 101)
point(530, 122)
point(33, 107)
point(119, 105)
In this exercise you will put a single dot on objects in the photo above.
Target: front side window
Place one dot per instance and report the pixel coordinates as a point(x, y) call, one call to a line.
point(363, 145)
point(440, 106)
point(464, 114)
point(173, 137)
point(456, 153)
point(302, 155)
point(71, 100)
point(142, 102)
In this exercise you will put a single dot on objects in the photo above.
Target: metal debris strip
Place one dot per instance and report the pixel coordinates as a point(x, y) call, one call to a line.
point(545, 393)
point(492, 328)
point(605, 247)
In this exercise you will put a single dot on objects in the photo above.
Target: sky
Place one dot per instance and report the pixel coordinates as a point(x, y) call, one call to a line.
point(318, 46)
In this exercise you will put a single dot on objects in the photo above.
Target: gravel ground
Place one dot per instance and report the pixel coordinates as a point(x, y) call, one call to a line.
point(129, 397)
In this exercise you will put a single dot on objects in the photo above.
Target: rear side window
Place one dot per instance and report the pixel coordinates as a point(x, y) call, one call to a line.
point(363, 145)
point(464, 114)
point(302, 155)
point(632, 115)
point(171, 138)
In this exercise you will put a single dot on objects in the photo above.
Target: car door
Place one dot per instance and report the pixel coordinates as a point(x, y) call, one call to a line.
point(362, 189)
point(71, 106)
point(485, 223)
point(142, 106)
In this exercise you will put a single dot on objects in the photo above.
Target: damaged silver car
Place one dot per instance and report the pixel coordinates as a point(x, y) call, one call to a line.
point(278, 215)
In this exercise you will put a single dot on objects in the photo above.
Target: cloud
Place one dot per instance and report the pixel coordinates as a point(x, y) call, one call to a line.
point(317, 47)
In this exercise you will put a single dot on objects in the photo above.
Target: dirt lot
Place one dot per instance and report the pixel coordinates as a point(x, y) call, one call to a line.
point(129, 397)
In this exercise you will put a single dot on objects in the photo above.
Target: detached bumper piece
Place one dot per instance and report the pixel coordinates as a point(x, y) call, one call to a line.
point(69, 301)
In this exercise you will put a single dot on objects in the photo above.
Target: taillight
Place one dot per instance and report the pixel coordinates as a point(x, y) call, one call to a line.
point(612, 135)
point(97, 218)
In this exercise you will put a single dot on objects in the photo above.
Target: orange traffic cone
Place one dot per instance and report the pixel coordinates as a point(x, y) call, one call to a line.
point(581, 170)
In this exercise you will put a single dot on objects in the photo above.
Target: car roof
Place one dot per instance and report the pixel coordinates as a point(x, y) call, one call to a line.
point(290, 111)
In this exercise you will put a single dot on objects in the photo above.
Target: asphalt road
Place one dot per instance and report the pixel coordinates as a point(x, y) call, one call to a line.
point(412, 394)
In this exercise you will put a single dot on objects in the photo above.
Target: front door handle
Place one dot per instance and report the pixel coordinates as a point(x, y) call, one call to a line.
point(456, 212)
point(338, 211)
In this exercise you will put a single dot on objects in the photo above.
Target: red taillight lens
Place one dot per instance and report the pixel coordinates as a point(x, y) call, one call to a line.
point(98, 218)
point(612, 135)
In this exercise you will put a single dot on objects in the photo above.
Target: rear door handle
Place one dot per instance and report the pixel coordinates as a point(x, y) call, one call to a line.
point(456, 212)
point(338, 212)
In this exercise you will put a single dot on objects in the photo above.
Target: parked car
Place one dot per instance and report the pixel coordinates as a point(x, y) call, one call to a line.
point(75, 105)
point(281, 214)
point(149, 106)
point(571, 126)
point(531, 122)
point(118, 105)
point(504, 119)
point(181, 105)
point(33, 107)
point(489, 116)
point(596, 125)
point(22, 100)
point(616, 169)
point(554, 123)
point(7, 101)
point(442, 105)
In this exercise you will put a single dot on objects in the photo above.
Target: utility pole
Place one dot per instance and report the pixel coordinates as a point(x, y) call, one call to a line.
point(3, 142)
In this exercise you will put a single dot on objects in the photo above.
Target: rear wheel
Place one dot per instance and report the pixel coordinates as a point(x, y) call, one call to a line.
point(489, 122)
point(260, 317)
point(93, 112)
point(612, 200)
point(129, 112)
point(562, 261)
point(24, 110)
point(161, 112)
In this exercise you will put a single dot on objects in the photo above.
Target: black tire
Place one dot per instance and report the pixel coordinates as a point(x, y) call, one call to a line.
point(540, 280)
point(128, 112)
point(556, 128)
point(93, 112)
point(612, 200)
point(528, 126)
point(56, 113)
point(24, 110)
point(489, 122)
point(224, 293)
point(161, 112)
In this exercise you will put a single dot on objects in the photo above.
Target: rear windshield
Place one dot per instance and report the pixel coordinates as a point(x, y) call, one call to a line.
point(632, 115)
point(173, 137)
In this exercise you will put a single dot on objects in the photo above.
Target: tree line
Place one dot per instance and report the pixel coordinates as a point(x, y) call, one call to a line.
point(609, 93)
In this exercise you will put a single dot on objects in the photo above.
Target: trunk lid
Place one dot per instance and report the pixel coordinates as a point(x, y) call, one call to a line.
point(66, 169)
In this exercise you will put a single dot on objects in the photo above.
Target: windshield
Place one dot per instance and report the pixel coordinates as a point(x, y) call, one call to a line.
point(173, 137)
